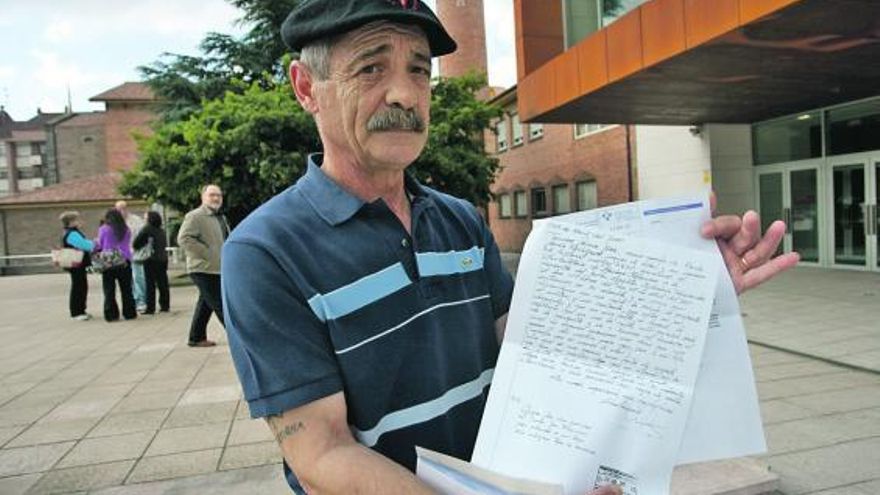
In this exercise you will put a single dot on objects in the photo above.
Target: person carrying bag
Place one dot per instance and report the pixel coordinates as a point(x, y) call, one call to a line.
point(74, 259)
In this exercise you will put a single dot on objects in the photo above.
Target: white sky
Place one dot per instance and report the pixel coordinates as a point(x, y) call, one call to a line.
point(94, 45)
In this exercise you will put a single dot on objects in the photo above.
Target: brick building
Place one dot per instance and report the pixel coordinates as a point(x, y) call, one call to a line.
point(58, 162)
point(23, 152)
point(545, 169)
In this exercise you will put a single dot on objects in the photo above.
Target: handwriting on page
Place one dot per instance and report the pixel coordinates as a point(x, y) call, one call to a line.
point(613, 321)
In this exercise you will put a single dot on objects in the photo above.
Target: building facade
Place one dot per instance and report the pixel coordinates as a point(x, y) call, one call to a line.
point(773, 103)
point(23, 153)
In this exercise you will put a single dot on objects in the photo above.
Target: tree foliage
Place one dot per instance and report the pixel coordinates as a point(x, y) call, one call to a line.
point(251, 144)
point(183, 82)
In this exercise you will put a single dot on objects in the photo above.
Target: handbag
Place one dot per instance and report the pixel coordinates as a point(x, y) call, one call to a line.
point(67, 257)
point(107, 260)
point(144, 253)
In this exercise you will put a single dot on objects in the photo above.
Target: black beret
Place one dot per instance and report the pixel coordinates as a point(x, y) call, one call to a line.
point(312, 20)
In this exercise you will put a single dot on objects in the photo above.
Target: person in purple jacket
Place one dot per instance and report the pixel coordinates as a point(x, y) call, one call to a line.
point(115, 235)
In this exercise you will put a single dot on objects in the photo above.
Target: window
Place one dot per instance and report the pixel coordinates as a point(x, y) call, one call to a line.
point(536, 131)
point(582, 17)
point(853, 128)
point(539, 202)
point(586, 195)
point(504, 205)
point(789, 139)
point(561, 199)
point(501, 131)
point(519, 204)
point(516, 128)
point(581, 130)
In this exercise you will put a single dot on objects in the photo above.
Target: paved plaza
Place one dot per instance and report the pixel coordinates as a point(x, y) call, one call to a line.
point(127, 408)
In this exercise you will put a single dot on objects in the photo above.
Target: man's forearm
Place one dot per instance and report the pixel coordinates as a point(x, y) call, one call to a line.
point(353, 468)
point(336, 463)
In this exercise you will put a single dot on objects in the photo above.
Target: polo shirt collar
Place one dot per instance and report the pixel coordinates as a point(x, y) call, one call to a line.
point(333, 203)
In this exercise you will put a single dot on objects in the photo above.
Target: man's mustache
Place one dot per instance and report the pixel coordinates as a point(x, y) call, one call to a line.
point(396, 119)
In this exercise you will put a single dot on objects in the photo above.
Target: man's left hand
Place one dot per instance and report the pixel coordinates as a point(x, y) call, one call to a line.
point(748, 256)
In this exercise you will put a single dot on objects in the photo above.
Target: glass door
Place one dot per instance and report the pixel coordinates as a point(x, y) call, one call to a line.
point(792, 194)
point(873, 221)
point(849, 205)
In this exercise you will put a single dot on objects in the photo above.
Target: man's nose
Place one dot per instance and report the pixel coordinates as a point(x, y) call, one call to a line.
point(402, 91)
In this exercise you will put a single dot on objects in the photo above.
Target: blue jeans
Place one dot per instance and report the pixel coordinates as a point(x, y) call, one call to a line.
point(139, 285)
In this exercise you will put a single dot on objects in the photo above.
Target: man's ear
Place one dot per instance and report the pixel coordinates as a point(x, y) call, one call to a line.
point(301, 81)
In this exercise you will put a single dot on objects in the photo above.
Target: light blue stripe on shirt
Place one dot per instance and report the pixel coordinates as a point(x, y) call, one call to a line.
point(425, 411)
point(361, 292)
point(433, 264)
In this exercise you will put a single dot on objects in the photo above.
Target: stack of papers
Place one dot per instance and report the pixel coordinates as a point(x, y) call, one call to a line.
point(624, 355)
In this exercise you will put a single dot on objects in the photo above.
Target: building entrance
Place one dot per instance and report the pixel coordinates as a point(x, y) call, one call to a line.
point(829, 206)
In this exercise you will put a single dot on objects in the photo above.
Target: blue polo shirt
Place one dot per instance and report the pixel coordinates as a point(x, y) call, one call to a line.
point(324, 292)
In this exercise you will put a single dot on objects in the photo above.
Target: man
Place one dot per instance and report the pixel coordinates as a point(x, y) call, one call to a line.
point(201, 236)
point(139, 284)
point(364, 310)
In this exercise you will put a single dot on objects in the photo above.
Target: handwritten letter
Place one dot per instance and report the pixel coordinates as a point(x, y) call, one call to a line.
point(599, 361)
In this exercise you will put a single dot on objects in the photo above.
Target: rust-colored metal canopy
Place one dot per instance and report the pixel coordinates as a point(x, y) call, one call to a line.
point(808, 54)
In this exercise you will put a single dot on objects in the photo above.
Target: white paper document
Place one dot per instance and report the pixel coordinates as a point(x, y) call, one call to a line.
point(725, 420)
point(450, 476)
point(601, 354)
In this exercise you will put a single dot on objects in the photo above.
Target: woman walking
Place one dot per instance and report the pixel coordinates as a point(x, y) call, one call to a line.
point(156, 266)
point(114, 235)
point(73, 238)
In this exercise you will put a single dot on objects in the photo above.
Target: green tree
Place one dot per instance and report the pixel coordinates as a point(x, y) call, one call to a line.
point(254, 143)
point(183, 82)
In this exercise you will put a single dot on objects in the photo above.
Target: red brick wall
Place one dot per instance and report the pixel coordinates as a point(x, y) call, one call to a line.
point(463, 19)
point(121, 121)
point(558, 158)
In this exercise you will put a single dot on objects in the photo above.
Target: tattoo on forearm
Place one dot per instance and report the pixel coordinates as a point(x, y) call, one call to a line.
point(284, 431)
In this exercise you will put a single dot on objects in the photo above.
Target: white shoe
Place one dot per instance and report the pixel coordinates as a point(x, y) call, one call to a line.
point(83, 317)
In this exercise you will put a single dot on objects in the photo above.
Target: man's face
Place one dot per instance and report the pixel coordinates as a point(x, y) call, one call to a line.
point(374, 107)
point(212, 197)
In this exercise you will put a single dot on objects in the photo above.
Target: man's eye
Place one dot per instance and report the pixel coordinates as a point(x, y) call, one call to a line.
point(422, 71)
point(370, 69)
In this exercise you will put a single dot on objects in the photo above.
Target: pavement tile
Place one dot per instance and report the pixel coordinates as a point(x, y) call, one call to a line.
point(147, 402)
point(261, 480)
point(93, 392)
point(22, 416)
point(174, 440)
point(249, 431)
point(776, 411)
point(19, 485)
point(822, 469)
point(39, 398)
point(252, 454)
point(83, 478)
point(107, 449)
point(796, 370)
point(24, 460)
point(53, 432)
point(197, 414)
point(175, 466)
point(773, 358)
point(9, 432)
point(209, 395)
point(160, 386)
point(815, 384)
point(118, 424)
point(82, 409)
point(850, 399)
point(112, 377)
point(243, 412)
point(865, 488)
point(821, 431)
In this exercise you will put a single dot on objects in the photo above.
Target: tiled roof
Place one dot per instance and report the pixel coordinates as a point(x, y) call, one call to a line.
point(129, 91)
point(84, 119)
point(96, 188)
